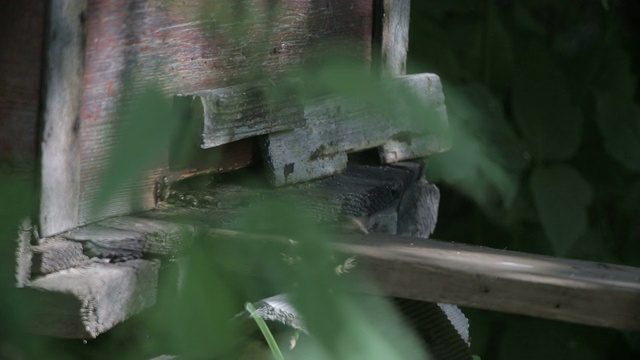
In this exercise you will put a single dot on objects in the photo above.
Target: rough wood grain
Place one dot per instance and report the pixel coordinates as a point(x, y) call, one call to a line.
point(408, 128)
point(582, 292)
point(63, 79)
point(23, 253)
point(242, 111)
point(395, 36)
point(55, 254)
point(426, 124)
point(160, 237)
point(418, 210)
point(335, 201)
point(106, 243)
point(189, 46)
point(85, 302)
point(223, 158)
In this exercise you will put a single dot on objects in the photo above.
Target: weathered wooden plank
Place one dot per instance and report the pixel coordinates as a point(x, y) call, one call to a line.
point(55, 254)
point(63, 79)
point(243, 111)
point(85, 302)
point(106, 243)
point(157, 236)
point(23, 253)
point(198, 161)
point(581, 292)
point(336, 201)
point(425, 136)
point(395, 36)
point(20, 74)
point(576, 291)
point(337, 126)
point(418, 210)
point(190, 46)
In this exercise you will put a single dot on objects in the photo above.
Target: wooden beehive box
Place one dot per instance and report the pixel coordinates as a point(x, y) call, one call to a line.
point(65, 65)
point(86, 57)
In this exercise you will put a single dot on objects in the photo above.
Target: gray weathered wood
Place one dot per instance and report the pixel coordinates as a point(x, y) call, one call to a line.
point(424, 120)
point(242, 111)
point(185, 47)
point(55, 254)
point(406, 129)
point(160, 237)
point(85, 302)
point(113, 244)
point(63, 78)
point(357, 193)
point(395, 36)
point(418, 210)
point(576, 291)
point(23, 253)
point(581, 292)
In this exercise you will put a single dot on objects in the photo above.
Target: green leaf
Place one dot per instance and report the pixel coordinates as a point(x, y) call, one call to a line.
point(619, 123)
point(542, 107)
point(561, 196)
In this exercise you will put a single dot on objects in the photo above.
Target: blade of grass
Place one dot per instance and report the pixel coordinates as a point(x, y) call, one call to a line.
point(271, 341)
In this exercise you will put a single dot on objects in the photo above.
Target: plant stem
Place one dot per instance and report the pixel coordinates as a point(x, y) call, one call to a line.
point(271, 341)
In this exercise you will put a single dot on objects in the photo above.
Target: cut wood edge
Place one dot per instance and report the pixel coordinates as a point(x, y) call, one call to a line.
point(247, 110)
point(23, 253)
point(55, 254)
point(82, 303)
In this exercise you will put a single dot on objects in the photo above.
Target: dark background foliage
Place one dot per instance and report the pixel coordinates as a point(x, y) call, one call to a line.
point(543, 103)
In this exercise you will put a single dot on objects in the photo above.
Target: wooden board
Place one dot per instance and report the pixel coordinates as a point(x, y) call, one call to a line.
point(575, 291)
point(160, 237)
point(63, 82)
point(85, 302)
point(23, 254)
point(184, 47)
point(56, 254)
point(395, 36)
point(407, 129)
point(356, 194)
point(243, 111)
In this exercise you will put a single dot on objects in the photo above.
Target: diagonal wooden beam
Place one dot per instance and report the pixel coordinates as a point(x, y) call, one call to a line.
point(582, 292)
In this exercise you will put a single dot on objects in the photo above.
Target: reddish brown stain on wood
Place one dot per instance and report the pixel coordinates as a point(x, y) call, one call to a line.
point(21, 36)
point(185, 47)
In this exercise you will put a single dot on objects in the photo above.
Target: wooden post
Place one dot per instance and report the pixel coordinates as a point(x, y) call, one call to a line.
point(63, 77)
point(395, 37)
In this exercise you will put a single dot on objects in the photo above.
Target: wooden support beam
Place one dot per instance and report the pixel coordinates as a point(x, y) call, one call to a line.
point(575, 291)
point(85, 302)
point(243, 111)
point(63, 85)
point(406, 129)
point(395, 36)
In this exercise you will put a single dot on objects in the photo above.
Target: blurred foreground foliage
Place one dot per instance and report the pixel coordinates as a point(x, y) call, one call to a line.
point(542, 98)
point(543, 103)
